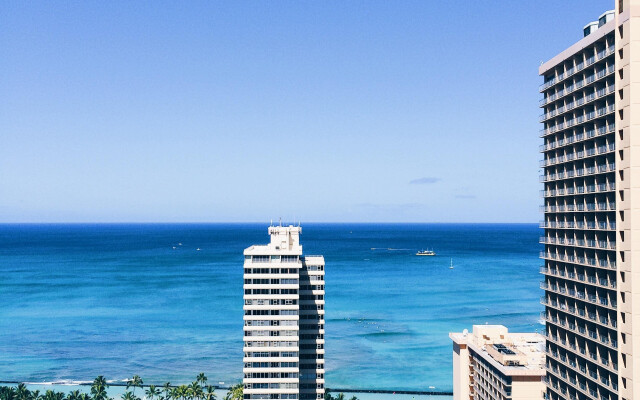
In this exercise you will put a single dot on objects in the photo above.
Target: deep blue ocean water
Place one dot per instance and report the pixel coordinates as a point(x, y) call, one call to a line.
point(77, 301)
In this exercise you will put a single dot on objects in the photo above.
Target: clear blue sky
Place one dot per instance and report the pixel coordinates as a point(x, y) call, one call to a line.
point(422, 111)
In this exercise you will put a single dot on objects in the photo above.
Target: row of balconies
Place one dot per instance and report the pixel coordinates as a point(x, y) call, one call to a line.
point(581, 313)
point(581, 225)
point(590, 334)
point(492, 390)
point(586, 261)
point(577, 85)
point(587, 116)
point(580, 207)
point(607, 282)
point(605, 380)
point(588, 243)
point(585, 151)
point(596, 75)
point(597, 298)
point(481, 366)
point(577, 155)
point(606, 361)
point(572, 360)
point(587, 134)
point(584, 189)
point(604, 377)
point(579, 172)
point(577, 312)
point(491, 381)
point(587, 98)
point(578, 67)
point(560, 385)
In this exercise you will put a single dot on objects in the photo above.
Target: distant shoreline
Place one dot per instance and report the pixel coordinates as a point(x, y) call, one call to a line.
point(337, 390)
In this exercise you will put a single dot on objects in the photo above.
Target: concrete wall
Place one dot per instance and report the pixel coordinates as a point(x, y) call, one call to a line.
point(628, 196)
point(460, 372)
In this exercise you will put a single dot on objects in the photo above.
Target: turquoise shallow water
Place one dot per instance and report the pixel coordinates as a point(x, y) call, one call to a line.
point(116, 300)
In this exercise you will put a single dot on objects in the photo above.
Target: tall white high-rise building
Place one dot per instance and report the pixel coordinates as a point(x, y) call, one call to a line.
point(592, 306)
point(283, 319)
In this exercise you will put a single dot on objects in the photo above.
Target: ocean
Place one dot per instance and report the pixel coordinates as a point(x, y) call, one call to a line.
point(81, 300)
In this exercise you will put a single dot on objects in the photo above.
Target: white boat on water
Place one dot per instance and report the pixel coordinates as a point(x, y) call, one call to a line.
point(426, 253)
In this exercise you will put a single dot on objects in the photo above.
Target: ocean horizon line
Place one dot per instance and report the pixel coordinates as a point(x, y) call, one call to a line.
point(262, 223)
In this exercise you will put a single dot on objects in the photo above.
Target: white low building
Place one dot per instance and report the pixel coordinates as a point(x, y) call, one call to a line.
point(491, 363)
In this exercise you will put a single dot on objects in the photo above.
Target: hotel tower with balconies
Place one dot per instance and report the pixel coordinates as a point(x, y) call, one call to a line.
point(283, 319)
point(592, 210)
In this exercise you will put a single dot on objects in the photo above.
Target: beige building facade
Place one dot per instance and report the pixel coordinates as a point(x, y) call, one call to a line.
point(283, 319)
point(492, 364)
point(591, 163)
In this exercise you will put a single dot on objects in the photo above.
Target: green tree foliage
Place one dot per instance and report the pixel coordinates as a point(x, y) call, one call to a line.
point(235, 392)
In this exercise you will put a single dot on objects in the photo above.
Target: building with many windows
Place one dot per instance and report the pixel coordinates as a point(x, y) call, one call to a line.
point(590, 180)
point(283, 319)
point(491, 363)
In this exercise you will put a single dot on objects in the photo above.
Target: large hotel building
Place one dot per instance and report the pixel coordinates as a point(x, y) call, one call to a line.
point(591, 163)
point(283, 319)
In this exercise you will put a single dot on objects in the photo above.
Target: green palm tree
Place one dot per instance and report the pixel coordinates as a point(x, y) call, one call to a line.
point(84, 396)
point(353, 398)
point(22, 393)
point(99, 388)
point(134, 382)
point(7, 393)
point(328, 396)
point(74, 395)
point(51, 395)
point(152, 392)
point(128, 396)
point(201, 378)
point(210, 394)
point(235, 392)
point(340, 396)
point(166, 388)
point(185, 392)
point(195, 390)
point(34, 395)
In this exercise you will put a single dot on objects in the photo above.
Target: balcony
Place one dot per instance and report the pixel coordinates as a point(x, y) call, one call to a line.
point(584, 332)
point(570, 174)
point(591, 244)
point(579, 120)
point(580, 278)
point(579, 295)
point(585, 261)
point(577, 68)
point(581, 368)
point(579, 225)
point(578, 103)
point(578, 85)
point(578, 312)
point(586, 189)
point(578, 155)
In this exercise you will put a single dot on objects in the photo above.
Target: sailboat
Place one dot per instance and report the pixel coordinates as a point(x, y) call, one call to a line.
point(451, 265)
